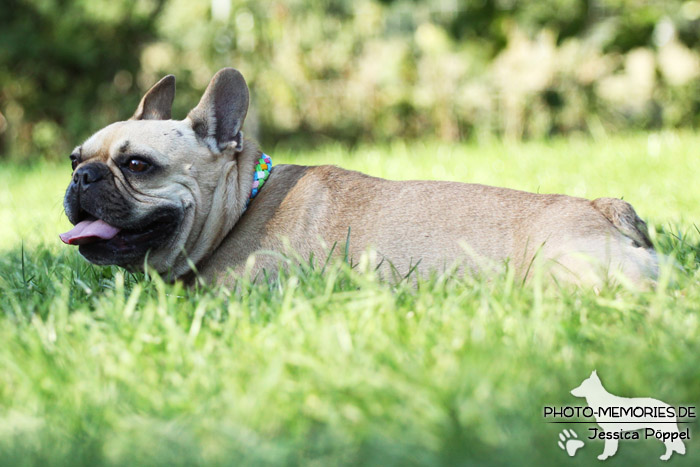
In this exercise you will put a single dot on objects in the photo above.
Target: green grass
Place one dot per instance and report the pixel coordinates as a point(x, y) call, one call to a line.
point(99, 366)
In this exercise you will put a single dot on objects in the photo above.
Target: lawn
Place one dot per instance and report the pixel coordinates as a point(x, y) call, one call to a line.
point(99, 366)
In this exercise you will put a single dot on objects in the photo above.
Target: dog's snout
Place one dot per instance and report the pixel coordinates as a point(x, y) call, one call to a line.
point(90, 174)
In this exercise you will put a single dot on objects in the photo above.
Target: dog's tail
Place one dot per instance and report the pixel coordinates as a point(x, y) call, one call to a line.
point(621, 214)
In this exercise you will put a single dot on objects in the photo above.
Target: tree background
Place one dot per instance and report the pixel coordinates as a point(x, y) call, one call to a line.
point(353, 71)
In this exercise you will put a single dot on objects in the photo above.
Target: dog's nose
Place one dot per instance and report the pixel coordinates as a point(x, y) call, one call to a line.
point(89, 174)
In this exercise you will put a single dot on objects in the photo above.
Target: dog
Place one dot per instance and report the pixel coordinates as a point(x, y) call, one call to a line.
point(179, 196)
point(614, 424)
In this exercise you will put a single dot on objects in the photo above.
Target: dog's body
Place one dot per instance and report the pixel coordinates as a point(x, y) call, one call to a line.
point(428, 225)
point(601, 400)
point(199, 176)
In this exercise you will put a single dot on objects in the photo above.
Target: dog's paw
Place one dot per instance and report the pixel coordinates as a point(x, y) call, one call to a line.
point(568, 442)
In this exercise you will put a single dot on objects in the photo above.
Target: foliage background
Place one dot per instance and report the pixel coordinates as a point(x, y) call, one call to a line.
point(353, 71)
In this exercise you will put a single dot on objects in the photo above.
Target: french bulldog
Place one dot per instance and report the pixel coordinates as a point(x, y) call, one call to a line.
point(189, 197)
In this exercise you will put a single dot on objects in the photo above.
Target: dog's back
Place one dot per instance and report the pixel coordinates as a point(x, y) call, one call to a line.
point(439, 223)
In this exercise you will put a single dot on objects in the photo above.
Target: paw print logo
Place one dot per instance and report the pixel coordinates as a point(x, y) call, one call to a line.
point(569, 442)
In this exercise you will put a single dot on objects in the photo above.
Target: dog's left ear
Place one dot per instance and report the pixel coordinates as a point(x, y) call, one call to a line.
point(219, 116)
point(157, 103)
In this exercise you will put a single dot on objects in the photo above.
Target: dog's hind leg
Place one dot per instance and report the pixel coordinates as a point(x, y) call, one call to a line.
point(609, 450)
point(623, 217)
point(635, 258)
point(675, 445)
point(678, 446)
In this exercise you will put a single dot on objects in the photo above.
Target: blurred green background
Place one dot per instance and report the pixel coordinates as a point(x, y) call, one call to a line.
point(353, 71)
point(332, 366)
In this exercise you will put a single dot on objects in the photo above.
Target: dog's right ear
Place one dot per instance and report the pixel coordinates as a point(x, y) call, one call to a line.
point(219, 116)
point(157, 103)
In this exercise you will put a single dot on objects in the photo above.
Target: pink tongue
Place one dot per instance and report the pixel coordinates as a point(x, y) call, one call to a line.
point(89, 231)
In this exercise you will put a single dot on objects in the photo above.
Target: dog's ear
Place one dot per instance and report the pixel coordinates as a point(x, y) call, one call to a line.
point(157, 103)
point(220, 113)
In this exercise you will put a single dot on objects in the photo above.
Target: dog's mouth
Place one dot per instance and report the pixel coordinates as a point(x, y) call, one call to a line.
point(93, 230)
point(90, 230)
point(104, 243)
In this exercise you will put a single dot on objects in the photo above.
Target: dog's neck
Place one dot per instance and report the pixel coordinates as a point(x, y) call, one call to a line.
point(233, 192)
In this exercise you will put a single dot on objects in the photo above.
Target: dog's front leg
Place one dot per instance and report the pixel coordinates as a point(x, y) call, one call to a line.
point(609, 450)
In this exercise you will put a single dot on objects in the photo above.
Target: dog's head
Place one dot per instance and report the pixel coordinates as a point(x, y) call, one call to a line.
point(589, 386)
point(166, 191)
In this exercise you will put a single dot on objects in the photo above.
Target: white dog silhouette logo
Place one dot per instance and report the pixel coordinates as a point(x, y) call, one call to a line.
point(617, 415)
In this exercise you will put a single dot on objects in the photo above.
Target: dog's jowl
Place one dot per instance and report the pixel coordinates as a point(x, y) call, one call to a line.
point(178, 193)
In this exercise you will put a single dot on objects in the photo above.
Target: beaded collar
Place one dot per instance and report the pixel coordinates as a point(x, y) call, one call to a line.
point(262, 173)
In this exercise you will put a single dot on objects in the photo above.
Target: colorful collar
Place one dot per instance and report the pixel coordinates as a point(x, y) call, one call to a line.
point(262, 173)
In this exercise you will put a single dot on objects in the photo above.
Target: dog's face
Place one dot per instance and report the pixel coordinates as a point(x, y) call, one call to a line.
point(155, 189)
point(589, 386)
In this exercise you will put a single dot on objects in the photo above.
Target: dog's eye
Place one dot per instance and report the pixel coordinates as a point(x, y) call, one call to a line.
point(137, 165)
point(73, 162)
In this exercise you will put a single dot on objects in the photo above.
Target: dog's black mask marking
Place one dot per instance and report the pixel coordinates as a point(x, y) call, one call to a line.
point(93, 194)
